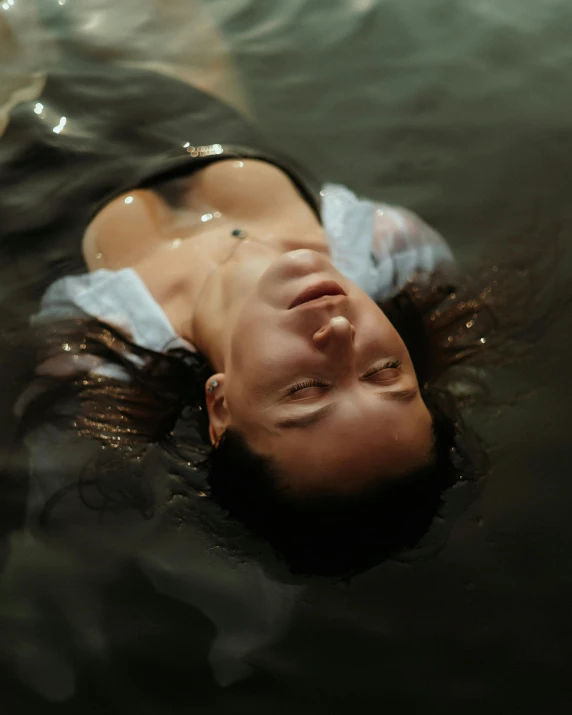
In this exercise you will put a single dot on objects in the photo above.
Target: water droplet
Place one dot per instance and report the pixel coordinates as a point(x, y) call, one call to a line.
point(483, 340)
point(129, 200)
point(39, 108)
point(57, 129)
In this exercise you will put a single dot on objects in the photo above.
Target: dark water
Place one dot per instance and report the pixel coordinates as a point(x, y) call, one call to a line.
point(461, 112)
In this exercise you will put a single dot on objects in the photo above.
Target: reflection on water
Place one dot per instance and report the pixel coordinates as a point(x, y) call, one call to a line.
point(459, 111)
point(24, 49)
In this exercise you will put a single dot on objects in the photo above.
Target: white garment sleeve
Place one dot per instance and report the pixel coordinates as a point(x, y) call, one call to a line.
point(379, 246)
point(119, 298)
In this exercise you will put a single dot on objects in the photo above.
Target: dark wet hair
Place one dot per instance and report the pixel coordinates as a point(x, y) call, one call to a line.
point(333, 535)
point(451, 331)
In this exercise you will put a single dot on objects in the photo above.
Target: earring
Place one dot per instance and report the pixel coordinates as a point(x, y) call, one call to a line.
point(212, 386)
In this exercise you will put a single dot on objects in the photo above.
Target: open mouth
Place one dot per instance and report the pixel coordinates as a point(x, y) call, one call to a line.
point(316, 291)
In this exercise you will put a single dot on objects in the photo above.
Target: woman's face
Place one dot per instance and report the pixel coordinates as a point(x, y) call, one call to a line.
point(316, 377)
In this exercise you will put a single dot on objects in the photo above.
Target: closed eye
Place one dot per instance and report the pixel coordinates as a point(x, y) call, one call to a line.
point(306, 386)
point(384, 372)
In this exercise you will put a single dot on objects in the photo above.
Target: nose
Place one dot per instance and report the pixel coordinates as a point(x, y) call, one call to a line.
point(336, 338)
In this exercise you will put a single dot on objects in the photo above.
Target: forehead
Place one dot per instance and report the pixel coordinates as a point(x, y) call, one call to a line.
point(345, 451)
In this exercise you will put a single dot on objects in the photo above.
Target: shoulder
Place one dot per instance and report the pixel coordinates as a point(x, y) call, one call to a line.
point(119, 298)
point(126, 230)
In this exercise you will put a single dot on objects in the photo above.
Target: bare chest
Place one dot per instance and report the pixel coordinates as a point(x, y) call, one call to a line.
point(200, 213)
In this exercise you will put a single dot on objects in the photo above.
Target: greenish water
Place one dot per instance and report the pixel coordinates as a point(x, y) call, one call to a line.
point(459, 111)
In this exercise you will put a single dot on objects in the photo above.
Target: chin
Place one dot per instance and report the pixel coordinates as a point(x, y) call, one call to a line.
point(277, 283)
point(302, 262)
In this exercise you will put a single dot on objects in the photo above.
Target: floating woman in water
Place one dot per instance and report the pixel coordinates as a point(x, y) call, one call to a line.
point(306, 337)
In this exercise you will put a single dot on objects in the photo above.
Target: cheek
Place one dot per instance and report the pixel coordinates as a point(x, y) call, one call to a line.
point(414, 434)
point(247, 333)
point(376, 329)
point(260, 349)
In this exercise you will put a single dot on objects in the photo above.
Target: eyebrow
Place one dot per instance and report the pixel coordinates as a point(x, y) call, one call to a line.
point(308, 419)
point(400, 395)
point(312, 418)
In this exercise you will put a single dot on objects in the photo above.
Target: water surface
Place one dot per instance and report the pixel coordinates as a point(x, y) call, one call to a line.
point(459, 111)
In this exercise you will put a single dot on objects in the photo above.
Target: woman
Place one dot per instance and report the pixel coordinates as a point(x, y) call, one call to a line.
point(308, 339)
point(306, 369)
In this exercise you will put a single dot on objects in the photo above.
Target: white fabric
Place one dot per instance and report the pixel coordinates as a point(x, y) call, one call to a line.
point(119, 298)
point(379, 246)
point(116, 297)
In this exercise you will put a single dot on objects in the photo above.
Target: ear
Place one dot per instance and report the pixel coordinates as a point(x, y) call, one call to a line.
point(219, 417)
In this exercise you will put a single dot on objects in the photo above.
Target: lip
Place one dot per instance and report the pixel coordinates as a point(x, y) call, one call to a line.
point(321, 289)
